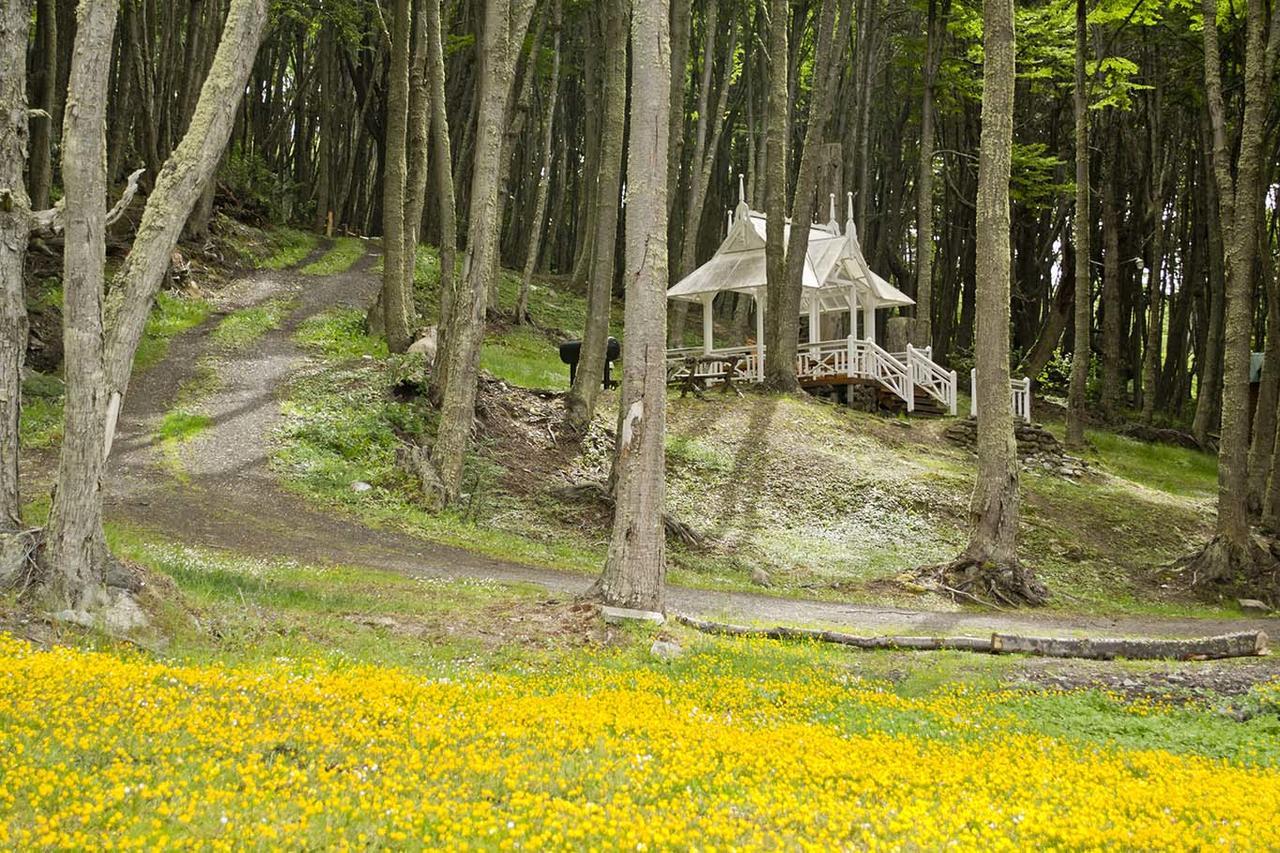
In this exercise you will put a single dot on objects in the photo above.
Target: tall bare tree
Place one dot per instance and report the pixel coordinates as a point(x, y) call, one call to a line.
point(989, 565)
point(1081, 230)
point(580, 403)
point(15, 226)
point(505, 24)
point(544, 171)
point(396, 298)
point(635, 570)
point(101, 330)
point(779, 372)
point(922, 332)
point(1231, 555)
point(446, 204)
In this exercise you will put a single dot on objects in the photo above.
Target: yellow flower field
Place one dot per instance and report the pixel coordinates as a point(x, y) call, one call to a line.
point(99, 750)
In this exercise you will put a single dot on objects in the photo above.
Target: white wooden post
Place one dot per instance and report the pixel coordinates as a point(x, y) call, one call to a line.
point(708, 332)
point(952, 396)
point(973, 392)
point(815, 323)
point(760, 305)
point(869, 321)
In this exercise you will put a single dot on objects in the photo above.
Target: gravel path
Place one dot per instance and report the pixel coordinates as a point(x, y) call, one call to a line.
point(230, 499)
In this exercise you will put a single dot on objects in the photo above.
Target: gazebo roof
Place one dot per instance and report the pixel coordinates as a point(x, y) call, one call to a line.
point(739, 264)
point(833, 264)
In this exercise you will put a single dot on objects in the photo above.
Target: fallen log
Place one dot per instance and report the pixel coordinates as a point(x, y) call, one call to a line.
point(1243, 644)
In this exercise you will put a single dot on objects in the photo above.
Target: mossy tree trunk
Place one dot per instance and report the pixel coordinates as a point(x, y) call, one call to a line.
point(1081, 230)
point(1231, 555)
point(441, 150)
point(101, 332)
point(580, 403)
point(635, 570)
point(396, 295)
point(780, 368)
point(989, 564)
point(505, 23)
point(15, 226)
point(544, 171)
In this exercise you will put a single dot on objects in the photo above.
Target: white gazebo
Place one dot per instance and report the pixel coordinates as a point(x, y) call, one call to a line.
point(835, 279)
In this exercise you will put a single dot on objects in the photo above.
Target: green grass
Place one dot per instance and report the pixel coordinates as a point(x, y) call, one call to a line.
point(171, 316)
point(41, 423)
point(1176, 470)
point(339, 334)
point(526, 358)
point(241, 328)
point(286, 248)
point(339, 258)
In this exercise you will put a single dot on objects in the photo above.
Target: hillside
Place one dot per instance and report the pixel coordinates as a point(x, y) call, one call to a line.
point(830, 502)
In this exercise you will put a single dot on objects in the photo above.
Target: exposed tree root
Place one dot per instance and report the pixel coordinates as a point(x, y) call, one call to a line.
point(1252, 568)
point(985, 582)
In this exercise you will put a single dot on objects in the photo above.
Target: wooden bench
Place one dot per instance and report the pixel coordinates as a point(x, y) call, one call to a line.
point(696, 383)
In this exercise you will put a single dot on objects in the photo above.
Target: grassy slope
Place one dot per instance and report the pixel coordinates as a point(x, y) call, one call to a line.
point(833, 503)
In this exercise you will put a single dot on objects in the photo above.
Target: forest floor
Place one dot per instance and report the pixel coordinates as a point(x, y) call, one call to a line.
point(270, 427)
point(329, 667)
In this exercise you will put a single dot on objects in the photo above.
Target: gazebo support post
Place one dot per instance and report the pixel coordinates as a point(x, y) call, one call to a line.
point(708, 324)
point(760, 304)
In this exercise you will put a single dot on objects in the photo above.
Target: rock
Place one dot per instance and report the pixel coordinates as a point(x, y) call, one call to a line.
point(427, 343)
point(360, 486)
point(1254, 606)
point(622, 615)
point(15, 550)
point(121, 615)
point(760, 577)
point(667, 650)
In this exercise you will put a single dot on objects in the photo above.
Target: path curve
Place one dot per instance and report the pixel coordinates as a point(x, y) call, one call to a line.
point(232, 500)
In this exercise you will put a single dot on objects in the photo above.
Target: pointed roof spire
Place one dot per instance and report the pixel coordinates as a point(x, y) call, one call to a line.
point(849, 226)
point(742, 210)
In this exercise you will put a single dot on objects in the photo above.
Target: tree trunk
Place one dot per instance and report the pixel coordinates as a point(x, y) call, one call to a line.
point(1112, 336)
point(395, 298)
point(96, 377)
point(75, 547)
point(785, 305)
point(989, 565)
point(936, 29)
point(544, 172)
point(504, 28)
point(46, 74)
point(1209, 393)
point(1231, 554)
point(15, 226)
point(1083, 326)
point(780, 369)
point(448, 211)
point(417, 159)
point(580, 403)
point(1264, 420)
point(635, 570)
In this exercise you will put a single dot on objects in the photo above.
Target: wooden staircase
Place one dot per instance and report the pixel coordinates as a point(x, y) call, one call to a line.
point(925, 404)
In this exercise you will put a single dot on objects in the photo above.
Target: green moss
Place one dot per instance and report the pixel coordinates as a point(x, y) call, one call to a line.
point(285, 248)
point(339, 258)
point(338, 335)
point(171, 316)
point(526, 358)
point(241, 328)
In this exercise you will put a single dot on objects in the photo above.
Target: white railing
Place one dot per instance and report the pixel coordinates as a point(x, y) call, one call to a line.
point(822, 360)
point(1019, 397)
point(869, 359)
point(929, 376)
